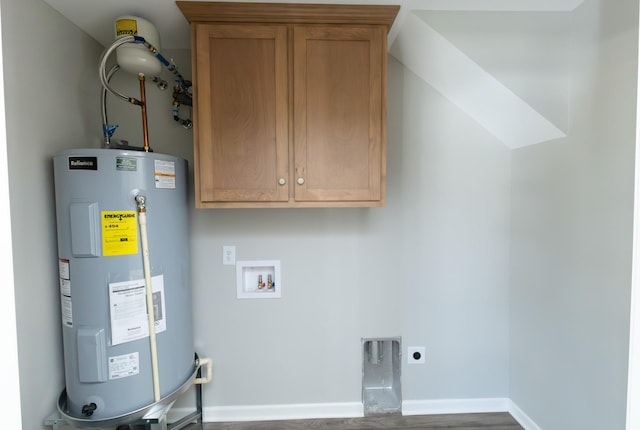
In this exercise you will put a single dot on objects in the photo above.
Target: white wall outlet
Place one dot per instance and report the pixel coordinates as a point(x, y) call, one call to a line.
point(228, 255)
point(416, 355)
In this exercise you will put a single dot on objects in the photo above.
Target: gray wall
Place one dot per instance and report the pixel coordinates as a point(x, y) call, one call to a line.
point(527, 52)
point(9, 373)
point(572, 237)
point(450, 179)
point(51, 97)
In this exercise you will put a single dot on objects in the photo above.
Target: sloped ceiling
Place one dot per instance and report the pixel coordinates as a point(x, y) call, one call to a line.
point(431, 38)
point(509, 71)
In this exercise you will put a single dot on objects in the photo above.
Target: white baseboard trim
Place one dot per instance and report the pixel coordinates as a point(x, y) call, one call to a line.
point(355, 410)
point(454, 406)
point(523, 419)
point(282, 412)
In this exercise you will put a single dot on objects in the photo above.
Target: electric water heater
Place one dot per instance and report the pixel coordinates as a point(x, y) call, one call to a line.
point(108, 360)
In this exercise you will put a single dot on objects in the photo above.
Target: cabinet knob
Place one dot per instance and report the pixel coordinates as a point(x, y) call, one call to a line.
point(282, 181)
point(301, 181)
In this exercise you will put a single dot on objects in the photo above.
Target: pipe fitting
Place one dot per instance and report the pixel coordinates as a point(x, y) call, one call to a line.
point(142, 203)
point(207, 363)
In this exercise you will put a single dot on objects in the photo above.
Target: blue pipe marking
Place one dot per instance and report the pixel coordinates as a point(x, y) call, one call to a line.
point(158, 55)
point(162, 59)
point(109, 129)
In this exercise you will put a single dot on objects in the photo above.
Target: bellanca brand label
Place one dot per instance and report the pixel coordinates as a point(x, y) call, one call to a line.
point(83, 163)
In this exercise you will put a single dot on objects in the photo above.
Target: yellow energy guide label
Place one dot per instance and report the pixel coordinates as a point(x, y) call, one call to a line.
point(119, 233)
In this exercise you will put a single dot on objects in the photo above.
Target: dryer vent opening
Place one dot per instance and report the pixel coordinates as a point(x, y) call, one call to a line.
point(381, 392)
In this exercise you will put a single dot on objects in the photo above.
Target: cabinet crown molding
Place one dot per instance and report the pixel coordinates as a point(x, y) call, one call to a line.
point(289, 13)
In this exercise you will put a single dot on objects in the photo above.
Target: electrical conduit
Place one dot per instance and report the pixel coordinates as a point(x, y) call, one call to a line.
point(142, 221)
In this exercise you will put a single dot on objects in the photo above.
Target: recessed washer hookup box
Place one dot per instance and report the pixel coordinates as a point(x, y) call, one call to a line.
point(258, 279)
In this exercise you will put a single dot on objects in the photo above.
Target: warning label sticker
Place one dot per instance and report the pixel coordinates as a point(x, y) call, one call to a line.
point(119, 233)
point(126, 27)
point(63, 268)
point(165, 174)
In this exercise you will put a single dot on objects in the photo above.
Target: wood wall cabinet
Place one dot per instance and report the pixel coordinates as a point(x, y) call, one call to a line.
point(290, 103)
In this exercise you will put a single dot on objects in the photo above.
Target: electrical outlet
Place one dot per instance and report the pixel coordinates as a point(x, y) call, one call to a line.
point(416, 355)
point(228, 255)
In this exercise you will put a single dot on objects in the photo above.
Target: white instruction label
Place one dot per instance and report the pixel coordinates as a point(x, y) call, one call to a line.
point(122, 366)
point(65, 287)
point(165, 174)
point(67, 312)
point(65, 292)
point(128, 309)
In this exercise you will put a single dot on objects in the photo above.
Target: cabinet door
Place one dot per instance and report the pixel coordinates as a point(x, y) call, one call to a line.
point(339, 115)
point(241, 92)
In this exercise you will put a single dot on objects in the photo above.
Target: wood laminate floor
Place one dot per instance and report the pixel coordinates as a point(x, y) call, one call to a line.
point(492, 421)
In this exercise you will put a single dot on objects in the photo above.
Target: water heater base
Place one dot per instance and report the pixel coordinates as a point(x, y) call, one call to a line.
point(153, 416)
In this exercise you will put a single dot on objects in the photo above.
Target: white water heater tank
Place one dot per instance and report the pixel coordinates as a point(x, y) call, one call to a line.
point(135, 58)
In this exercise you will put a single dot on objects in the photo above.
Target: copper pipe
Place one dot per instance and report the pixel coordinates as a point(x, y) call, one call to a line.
point(143, 105)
